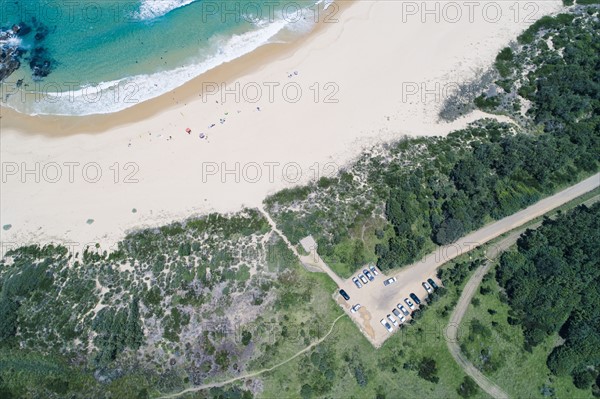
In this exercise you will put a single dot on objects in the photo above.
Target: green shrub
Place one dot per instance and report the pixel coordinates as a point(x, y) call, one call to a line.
point(467, 388)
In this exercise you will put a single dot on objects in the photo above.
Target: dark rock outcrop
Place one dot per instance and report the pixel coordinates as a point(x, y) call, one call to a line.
point(9, 53)
point(39, 59)
point(8, 63)
point(40, 63)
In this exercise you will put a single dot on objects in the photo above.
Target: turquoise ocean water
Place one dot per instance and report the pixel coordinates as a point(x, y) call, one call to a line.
point(81, 57)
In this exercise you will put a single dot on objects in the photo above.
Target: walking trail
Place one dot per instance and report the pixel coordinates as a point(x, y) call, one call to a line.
point(255, 373)
point(311, 262)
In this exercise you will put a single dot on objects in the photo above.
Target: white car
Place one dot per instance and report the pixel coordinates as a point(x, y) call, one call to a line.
point(393, 320)
point(409, 303)
point(389, 281)
point(363, 279)
point(427, 287)
point(355, 308)
point(399, 315)
point(356, 282)
point(386, 325)
point(403, 310)
point(373, 270)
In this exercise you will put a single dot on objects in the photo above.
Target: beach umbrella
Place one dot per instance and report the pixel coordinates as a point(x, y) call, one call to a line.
point(188, 130)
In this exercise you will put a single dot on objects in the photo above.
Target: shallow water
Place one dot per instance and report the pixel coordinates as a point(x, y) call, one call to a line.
point(104, 56)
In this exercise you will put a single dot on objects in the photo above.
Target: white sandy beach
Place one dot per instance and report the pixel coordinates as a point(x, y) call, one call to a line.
point(374, 51)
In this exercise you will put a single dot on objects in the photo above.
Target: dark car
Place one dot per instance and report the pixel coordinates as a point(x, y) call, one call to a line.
point(432, 283)
point(373, 270)
point(344, 295)
point(415, 298)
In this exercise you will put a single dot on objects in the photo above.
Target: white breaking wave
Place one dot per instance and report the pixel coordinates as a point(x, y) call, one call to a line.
point(9, 39)
point(12, 41)
point(150, 9)
point(114, 96)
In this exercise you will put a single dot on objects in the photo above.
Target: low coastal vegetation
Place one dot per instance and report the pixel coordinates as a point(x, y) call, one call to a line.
point(189, 302)
point(216, 297)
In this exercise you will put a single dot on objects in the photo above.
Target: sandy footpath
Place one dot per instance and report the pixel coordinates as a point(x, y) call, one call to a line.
point(357, 80)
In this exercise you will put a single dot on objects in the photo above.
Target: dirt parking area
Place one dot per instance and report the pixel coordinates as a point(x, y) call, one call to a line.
point(378, 300)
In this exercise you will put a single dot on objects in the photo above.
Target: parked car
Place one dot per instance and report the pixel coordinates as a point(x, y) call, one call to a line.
point(363, 279)
point(433, 284)
point(415, 298)
point(399, 315)
point(369, 275)
point(355, 308)
point(389, 281)
point(427, 287)
point(409, 303)
point(386, 325)
point(393, 320)
point(356, 282)
point(373, 270)
point(344, 295)
point(403, 310)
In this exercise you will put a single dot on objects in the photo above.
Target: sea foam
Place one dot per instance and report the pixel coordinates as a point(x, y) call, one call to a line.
point(114, 96)
point(150, 9)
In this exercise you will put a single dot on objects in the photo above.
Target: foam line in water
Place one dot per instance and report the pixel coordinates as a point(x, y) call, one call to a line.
point(114, 96)
point(150, 9)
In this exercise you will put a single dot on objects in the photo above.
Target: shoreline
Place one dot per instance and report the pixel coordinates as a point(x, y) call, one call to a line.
point(152, 172)
point(55, 125)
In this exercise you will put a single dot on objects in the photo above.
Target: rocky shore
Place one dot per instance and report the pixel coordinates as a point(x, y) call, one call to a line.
point(12, 51)
point(9, 53)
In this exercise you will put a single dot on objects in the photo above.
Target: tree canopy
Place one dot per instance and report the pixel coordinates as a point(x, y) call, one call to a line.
point(552, 283)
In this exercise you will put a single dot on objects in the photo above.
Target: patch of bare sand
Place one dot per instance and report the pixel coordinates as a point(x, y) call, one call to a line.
point(366, 322)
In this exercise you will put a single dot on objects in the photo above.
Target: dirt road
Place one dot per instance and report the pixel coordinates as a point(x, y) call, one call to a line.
point(463, 304)
point(379, 300)
point(459, 311)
